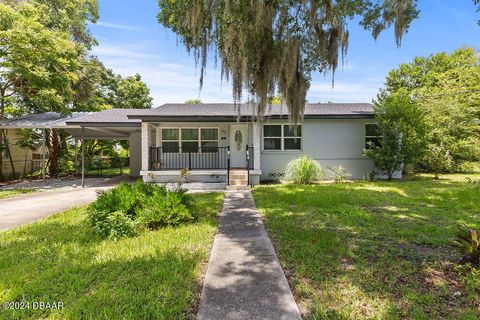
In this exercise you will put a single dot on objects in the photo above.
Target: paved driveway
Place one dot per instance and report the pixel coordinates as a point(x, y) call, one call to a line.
point(26, 208)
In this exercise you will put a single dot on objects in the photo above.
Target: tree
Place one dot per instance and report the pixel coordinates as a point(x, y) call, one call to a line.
point(273, 46)
point(193, 101)
point(438, 159)
point(277, 99)
point(445, 87)
point(70, 16)
point(403, 132)
point(38, 65)
point(109, 90)
point(132, 92)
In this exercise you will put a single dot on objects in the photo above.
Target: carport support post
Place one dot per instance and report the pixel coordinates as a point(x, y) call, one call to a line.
point(76, 156)
point(43, 153)
point(83, 157)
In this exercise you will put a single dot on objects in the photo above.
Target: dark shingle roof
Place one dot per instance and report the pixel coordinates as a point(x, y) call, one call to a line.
point(111, 117)
point(42, 120)
point(183, 112)
point(228, 110)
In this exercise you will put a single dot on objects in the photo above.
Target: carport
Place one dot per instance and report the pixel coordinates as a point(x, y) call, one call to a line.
point(109, 124)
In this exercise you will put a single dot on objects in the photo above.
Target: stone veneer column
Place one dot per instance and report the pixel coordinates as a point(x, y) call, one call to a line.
point(146, 142)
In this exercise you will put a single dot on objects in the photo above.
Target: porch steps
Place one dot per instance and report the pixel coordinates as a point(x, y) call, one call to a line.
point(238, 180)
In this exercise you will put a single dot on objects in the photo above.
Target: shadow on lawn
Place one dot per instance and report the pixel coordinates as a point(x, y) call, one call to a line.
point(370, 250)
point(57, 261)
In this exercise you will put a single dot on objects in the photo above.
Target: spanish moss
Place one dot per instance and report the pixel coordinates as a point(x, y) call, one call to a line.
point(272, 47)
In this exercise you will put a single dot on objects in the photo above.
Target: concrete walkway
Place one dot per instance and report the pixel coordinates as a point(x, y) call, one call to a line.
point(244, 279)
point(26, 208)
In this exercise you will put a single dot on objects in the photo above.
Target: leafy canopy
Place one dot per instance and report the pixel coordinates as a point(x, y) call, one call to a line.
point(37, 65)
point(446, 87)
point(402, 128)
point(273, 46)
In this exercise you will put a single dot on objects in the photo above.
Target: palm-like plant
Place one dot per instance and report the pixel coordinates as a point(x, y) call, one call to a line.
point(468, 242)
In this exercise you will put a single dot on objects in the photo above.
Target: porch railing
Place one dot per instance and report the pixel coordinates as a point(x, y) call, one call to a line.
point(249, 161)
point(208, 158)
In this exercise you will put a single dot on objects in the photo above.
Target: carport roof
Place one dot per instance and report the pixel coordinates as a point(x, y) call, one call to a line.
point(110, 117)
point(47, 120)
point(107, 124)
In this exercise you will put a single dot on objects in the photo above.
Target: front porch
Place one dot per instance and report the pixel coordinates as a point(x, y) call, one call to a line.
point(201, 152)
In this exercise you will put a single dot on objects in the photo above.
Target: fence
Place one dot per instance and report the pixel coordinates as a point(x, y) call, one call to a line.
point(96, 166)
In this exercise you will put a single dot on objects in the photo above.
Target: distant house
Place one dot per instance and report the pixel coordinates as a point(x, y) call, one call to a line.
point(223, 143)
point(24, 160)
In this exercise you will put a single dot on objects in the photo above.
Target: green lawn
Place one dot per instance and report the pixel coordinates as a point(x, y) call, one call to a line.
point(155, 275)
point(14, 192)
point(108, 171)
point(375, 250)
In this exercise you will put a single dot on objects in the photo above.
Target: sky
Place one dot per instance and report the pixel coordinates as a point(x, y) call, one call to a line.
point(132, 41)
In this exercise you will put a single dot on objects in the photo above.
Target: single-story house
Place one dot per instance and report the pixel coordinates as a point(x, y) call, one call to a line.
point(224, 142)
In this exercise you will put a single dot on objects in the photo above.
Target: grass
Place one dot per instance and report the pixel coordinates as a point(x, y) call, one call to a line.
point(108, 171)
point(152, 276)
point(376, 250)
point(14, 192)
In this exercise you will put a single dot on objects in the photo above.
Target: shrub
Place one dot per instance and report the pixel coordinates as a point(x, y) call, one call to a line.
point(121, 198)
point(115, 212)
point(469, 167)
point(303, 170)
point(438, 160)
point(165, 210)
point(115, 225)
point(340, 174)
point(468, 242)
point(402, 129)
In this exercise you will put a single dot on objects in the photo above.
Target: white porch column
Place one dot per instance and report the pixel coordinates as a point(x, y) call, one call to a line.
point(158, 136)
point(256, 145)
point(146, 142)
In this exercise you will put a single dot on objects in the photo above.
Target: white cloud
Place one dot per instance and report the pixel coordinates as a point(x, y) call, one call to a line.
point(358, 90)
point(117, 26)
point(175, 82)
point(168, 82)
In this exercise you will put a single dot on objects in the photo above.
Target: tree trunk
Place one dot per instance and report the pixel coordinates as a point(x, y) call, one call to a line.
point(53, 168)
point(7, 149)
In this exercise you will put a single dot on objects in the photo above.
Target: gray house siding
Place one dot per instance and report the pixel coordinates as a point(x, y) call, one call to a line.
point(331, 142)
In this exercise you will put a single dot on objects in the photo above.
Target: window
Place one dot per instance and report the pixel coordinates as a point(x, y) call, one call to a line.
point(281, 137)
point(170, 140)
point(190, 140)
point(373, 138)
point(209, 139)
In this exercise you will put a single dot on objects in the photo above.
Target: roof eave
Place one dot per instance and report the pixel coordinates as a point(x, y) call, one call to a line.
point(105, 124)
point(150, 118)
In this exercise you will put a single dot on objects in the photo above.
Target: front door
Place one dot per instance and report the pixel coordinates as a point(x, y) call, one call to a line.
point(238, 145)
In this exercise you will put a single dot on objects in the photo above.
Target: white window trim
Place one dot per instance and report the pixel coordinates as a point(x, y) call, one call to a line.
point(199, 140)
point(282, 139)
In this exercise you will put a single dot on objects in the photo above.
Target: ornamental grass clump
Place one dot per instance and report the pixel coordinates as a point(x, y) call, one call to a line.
point(128, 208)
point(303, 170)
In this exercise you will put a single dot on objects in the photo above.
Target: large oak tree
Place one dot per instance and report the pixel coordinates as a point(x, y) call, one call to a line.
point(273, 46)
